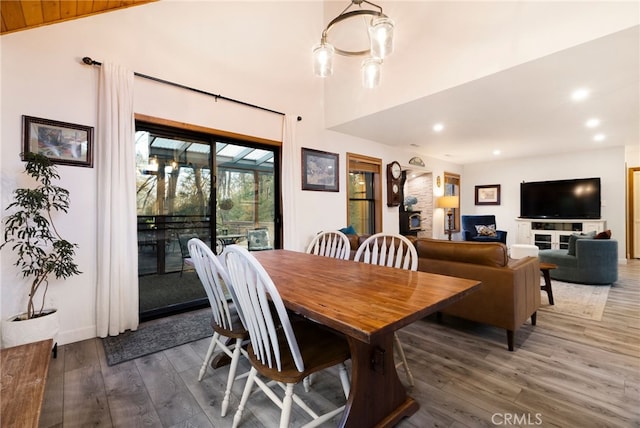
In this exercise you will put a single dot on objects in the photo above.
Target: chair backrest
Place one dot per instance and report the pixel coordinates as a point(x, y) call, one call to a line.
point(215, 279)
point(258, 239)
point(330, 244)
point(257, 297)
point(469, 223)
point(390, 250)
point(183, 241)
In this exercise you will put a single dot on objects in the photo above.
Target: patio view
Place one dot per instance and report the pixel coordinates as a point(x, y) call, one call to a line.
point(184, 192)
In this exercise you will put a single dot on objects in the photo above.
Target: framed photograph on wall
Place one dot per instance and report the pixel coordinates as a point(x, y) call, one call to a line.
point(488, 195)
point(320, 171)
point(63, 143)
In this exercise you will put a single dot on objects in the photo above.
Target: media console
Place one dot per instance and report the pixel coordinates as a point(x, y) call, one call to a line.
point(554, 234)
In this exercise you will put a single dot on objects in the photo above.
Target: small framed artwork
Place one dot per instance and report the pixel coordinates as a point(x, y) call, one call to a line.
point(63, 143)
point(488, 195)
point(320, 171)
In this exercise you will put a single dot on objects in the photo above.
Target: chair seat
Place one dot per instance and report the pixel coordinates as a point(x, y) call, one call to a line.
point(320, 347)
point(237, 330)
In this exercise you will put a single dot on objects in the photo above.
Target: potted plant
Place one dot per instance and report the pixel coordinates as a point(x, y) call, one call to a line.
point(41, 252)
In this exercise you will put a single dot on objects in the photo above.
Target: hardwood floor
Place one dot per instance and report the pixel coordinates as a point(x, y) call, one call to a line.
point(565, 372)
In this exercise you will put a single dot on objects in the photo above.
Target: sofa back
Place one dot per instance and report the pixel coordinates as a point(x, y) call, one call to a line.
point(480, 253)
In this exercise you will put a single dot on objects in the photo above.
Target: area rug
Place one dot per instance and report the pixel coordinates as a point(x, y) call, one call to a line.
point(158, 335)
point(579, 300)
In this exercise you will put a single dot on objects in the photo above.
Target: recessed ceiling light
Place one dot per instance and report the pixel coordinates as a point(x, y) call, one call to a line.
point(438, 127)
point(599, 137)
point(592, 123)
point(496, 152)
point(580, 94)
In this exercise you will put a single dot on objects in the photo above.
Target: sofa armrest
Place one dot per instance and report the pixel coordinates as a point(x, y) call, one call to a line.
point(594, 255)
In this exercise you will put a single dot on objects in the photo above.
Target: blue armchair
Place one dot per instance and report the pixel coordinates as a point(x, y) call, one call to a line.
point(472, 233)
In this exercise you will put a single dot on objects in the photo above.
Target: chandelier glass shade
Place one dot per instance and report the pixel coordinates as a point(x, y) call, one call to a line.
point(380, 34)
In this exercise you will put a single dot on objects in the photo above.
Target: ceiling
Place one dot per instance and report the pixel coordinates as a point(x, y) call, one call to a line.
point(20, 15)
point(523, 111)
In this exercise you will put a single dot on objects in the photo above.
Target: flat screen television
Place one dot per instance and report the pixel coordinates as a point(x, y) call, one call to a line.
point(561, 199)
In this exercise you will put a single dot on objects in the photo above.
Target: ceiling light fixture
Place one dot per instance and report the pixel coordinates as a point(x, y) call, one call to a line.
point(438, 127)
point(580, 94)
point(380, 30)
point(592, 123)
point(599, 137)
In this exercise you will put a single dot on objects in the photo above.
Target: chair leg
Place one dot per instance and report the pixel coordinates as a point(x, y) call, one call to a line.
point(245, 397)
point(287, 403)
point(232, 376)
point(344, 379)
point(207, 359)
point(404, 359)
point(307, 383)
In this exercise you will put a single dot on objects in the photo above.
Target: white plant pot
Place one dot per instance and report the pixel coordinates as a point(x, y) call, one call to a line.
point(16, 333)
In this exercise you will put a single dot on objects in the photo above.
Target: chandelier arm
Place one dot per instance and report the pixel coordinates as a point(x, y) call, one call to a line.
point(348, 15)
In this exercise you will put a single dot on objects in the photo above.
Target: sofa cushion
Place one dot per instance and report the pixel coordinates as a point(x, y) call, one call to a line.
point(481, 253)
point(486, 230)
point(574, 237)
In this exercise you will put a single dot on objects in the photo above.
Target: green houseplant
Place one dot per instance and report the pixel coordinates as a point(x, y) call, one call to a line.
point(30, 232)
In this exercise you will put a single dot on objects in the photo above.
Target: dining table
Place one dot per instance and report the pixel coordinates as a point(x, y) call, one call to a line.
point(367, 303)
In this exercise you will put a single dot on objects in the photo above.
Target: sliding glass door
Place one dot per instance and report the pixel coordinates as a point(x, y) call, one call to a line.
point(196, 185)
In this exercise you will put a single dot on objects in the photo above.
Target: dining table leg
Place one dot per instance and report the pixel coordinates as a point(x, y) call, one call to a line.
point(377, 397)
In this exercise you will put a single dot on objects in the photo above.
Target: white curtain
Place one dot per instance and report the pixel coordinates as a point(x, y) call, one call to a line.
point(291, 180)
point(117, 290)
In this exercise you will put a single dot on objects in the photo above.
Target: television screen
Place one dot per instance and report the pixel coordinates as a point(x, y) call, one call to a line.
point(561, 199)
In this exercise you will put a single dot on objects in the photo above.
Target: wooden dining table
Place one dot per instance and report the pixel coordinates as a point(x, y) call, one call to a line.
point(367, 303)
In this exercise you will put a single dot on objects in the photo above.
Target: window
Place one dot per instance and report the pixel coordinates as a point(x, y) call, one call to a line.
point(452, 188)
point(364, 195)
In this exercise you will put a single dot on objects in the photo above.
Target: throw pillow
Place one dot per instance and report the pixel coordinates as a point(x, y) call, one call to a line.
point(488, 230)
point(604, 235)
point(348, 230)
point(571, 251)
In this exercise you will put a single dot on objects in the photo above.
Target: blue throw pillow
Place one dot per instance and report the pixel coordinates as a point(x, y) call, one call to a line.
point(348, 230)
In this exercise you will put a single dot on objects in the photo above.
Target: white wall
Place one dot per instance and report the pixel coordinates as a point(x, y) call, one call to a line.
point(220, 47)
point(608, 164)
point(230, 48)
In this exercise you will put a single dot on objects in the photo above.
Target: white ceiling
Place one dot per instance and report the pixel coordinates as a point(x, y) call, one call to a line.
point(525, 110)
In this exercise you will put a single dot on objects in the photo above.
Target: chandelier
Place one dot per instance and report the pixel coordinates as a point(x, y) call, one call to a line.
point(380, 29)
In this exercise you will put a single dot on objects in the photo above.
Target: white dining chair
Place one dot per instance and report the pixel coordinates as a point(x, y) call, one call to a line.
point(280, 350)
point(330, 244)
point(227, 321)
point(395, 251)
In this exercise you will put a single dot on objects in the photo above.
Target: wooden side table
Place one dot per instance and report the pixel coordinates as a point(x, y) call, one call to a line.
point(24, 373)
point(545, 268)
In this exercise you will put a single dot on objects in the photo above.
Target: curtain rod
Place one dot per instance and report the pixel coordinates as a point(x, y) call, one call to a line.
point(87, 60)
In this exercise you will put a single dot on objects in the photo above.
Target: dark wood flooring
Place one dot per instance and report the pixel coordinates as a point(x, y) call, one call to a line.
point(565, 372)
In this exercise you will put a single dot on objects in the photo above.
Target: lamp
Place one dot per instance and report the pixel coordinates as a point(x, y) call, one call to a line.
point(448, 202)
point(380, 35)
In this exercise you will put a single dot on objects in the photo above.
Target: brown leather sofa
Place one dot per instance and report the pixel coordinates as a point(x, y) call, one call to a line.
point(510, 290)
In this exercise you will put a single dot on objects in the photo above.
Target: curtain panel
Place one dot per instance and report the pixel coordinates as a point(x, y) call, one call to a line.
point(117, 264)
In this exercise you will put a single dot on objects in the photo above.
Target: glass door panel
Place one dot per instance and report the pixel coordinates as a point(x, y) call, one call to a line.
point(173, 194)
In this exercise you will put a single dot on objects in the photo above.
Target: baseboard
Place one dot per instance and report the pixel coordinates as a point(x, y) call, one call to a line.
point(77, 335)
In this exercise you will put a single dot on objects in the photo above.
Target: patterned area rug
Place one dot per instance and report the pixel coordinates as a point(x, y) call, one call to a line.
point(579, 300)
point(158, 335)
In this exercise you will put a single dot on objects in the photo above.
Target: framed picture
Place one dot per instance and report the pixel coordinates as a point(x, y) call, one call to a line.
point(63, 143)
point(320, 171)
point(488, 195)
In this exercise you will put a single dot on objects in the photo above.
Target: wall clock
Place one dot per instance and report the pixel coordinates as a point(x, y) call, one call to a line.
point(394, 181)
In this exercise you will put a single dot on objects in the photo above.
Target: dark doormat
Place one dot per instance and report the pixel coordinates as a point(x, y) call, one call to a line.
point(157, 336)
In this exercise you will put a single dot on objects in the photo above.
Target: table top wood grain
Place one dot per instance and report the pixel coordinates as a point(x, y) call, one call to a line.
point(359, 299)
point(24, 373)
